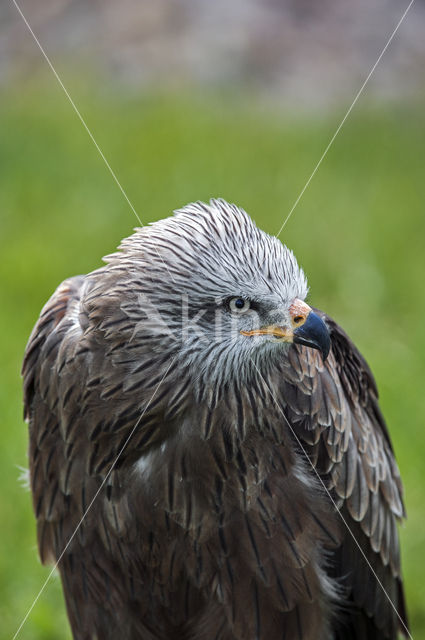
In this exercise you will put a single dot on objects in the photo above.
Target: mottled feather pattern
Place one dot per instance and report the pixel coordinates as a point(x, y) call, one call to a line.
point(210, 522)
point(357, 466)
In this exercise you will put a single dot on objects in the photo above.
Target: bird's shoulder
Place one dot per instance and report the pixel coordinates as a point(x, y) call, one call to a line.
point(57, 319)
point(334, 410)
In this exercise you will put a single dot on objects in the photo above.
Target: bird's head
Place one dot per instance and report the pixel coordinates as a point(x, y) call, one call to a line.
point(217, 292)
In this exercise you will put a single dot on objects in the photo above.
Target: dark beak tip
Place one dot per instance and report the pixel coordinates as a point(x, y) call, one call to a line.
point(325, 350)
point(315, 334)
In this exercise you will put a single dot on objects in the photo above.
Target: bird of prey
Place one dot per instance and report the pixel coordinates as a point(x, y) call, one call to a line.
point(208, 460)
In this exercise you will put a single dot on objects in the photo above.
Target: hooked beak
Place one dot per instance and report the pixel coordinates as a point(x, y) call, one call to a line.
point(307, 329)
point(314, 333)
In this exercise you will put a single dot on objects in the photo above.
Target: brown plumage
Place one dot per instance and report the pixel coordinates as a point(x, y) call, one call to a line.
point(185, 460)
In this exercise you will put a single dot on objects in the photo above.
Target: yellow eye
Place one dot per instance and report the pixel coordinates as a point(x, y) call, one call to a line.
point(239, 305)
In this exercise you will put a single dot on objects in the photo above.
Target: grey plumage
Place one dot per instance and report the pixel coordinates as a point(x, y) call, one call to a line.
point(212, 523)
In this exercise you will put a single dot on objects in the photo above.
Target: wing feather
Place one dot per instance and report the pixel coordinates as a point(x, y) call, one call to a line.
point(347, 441)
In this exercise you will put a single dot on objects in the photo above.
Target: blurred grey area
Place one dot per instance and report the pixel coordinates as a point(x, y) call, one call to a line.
point(304, 53)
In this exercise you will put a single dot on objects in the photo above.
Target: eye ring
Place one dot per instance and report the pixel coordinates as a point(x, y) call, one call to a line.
point(239, 305)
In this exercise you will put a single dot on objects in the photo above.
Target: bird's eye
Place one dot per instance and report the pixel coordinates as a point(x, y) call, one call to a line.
point(239, 305)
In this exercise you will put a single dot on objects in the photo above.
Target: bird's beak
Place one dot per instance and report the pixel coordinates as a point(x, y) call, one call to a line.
point(306, 328)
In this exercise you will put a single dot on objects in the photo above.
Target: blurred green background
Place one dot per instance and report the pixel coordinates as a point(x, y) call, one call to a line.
point(359, 233)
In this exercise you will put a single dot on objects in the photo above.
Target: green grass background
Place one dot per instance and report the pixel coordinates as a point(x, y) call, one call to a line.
point(359, 232)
